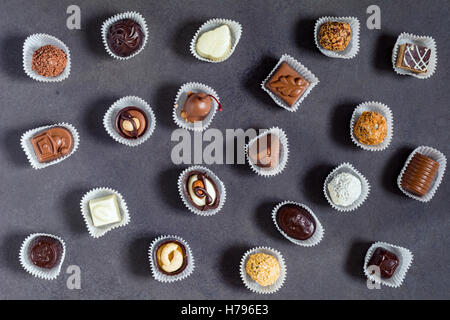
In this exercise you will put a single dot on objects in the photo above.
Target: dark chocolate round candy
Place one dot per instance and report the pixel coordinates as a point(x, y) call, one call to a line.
point(131, 122)
point(125, 37)
point(296, 221)
point(45, 252)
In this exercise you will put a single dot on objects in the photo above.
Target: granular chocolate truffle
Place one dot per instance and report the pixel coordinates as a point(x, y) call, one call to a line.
point(263, 268)
point(335, 36)
point(125, 37)
point(370, 128)
point(49, 61)
point(45, 252)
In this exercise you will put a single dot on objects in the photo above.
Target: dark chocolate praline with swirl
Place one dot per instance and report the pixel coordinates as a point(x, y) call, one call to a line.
point(45, 252)
point(136, 118)
point(125, 37)
point(296, 221)
point(201, 176)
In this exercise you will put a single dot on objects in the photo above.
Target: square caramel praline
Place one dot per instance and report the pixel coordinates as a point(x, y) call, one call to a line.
point(287, 84)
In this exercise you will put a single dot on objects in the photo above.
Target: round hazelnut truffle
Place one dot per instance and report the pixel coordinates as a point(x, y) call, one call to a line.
point(263, 268)
point(49, 61)
point(370, 128)
point(335, 36)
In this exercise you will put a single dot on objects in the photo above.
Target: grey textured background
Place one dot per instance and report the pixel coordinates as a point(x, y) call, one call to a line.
point(115, 266)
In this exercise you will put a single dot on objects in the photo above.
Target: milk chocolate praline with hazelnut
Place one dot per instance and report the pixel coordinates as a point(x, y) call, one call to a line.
point(131, 122)
point(184, 253)
point(265, 154)
point(196, 107)
point(199, 187)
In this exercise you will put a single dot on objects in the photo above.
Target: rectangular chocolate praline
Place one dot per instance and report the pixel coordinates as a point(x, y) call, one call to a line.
point(413, 57)
point(287, 84)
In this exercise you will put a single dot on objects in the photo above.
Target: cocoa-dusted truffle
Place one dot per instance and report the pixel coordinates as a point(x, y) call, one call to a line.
point(49, 61)
point(335, 36)
point(370, 128)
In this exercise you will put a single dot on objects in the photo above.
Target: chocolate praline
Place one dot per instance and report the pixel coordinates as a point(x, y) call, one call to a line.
point(296, 221)
point(215, 203)
point(52, 144)
point(45, 252)
point(130, 114)
point(196, 107)
point(385, 260)
point(125, 37)
point(185, 258)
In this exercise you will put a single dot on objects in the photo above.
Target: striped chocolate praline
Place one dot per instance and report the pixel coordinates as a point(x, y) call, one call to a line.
point(419, 175)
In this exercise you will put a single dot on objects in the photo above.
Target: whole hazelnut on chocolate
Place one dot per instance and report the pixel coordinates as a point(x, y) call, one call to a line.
point(131, 122)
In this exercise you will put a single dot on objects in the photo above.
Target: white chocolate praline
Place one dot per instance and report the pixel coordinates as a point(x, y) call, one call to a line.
point(344, 189)
point(209, 188)
point(170, 257)
point(104, 210)
point(214, 44)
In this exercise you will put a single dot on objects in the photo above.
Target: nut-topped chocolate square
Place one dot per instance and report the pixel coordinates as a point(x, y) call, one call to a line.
point(287, 84)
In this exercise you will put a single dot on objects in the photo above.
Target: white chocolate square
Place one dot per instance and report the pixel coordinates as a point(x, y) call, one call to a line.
point(104, 210)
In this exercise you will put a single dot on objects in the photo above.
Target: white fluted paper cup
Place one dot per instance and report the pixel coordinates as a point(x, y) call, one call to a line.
point(27, 146)
point(156, 273)
point(109, 120)
point(180, 100)
point(137, 17)
point(97, 232)
point(437, 156)
point(299, 68)
point(221, 191)
point(268, 172)
point(353, 46)
point(251, 284)
point(365, 187)
point(235, 29)
point(380, 108)
point(405, 258)
point(424, 41)
point(34, 42)
point(315, 238)
point(27, 264)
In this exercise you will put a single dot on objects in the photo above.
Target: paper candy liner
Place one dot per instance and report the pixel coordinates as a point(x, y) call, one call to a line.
point(220, 189)
point(251, 284)
point(25, 142)
point(353, 46)
point(417, 40)
point(267, 172)
point(404, 256)
point(36, 271)
point(110, 118)
point(437, 156)
point(318, 233)
point(157, 274)
point(380, 108)
point(179, 103)
point(34, 42)
point(303, 71)
point(97, 232)
point(137, 17)
point(365, 187)
point(235, 29)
